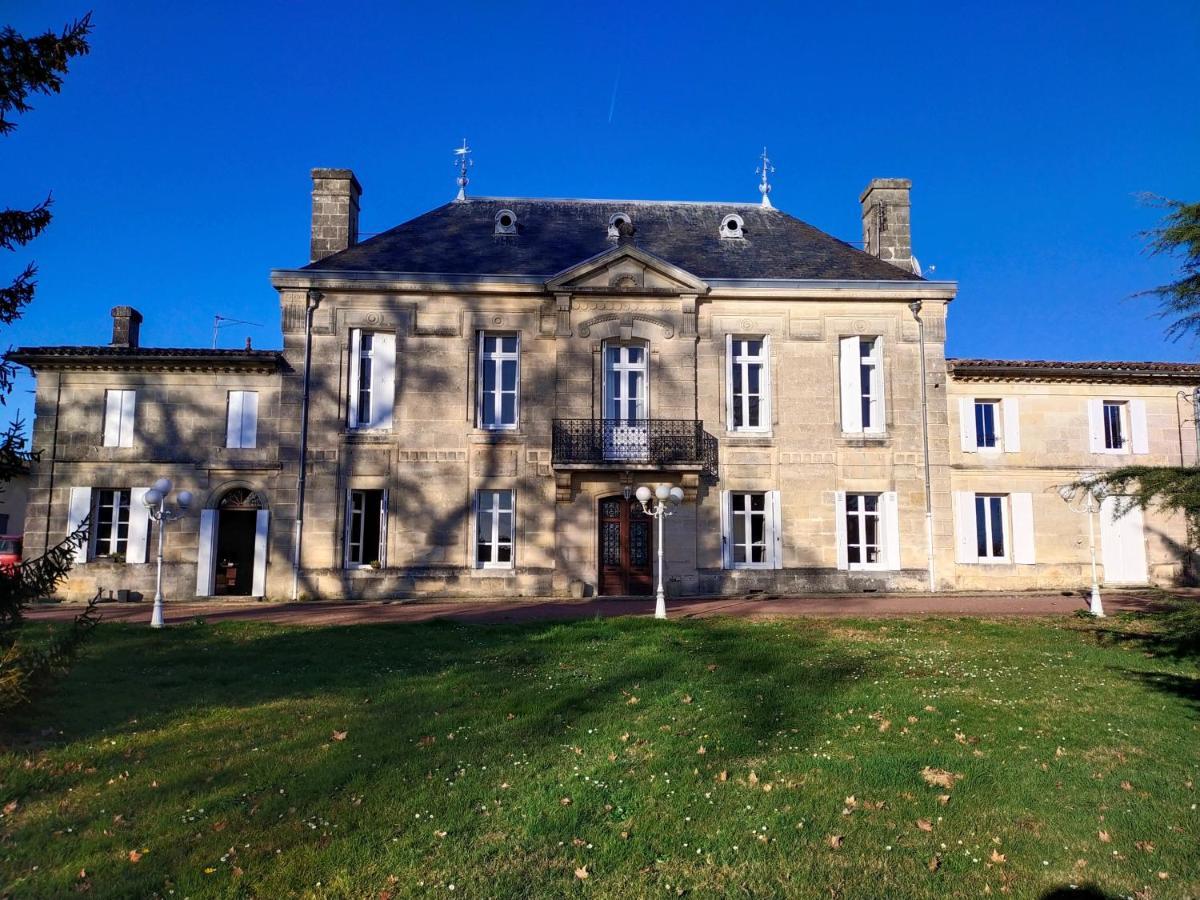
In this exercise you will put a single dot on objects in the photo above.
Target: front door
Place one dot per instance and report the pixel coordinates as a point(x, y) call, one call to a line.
point(626, 544)
point(626, 435)
point(1122, 544)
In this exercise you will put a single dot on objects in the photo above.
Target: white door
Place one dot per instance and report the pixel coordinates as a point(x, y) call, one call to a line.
point(626, 431)
point(1122, 544)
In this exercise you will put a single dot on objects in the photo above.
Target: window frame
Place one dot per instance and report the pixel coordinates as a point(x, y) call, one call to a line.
point(881, 544)
point(117, 546)
point(497, 358)
point(747, 513)
point(989, 535)
point(1123, 423)
point(997, 407)
point(348, 531)
point(365, 353)
point(494, 543)
point(872, 401)
point(734, 360)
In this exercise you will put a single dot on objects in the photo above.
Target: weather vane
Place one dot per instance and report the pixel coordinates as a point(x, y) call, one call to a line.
point(764, 170)
point(463, 161)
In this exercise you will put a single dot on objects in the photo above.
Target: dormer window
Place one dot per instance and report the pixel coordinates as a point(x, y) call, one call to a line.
point(618, 224)
point(731, 227)
point(506, 222)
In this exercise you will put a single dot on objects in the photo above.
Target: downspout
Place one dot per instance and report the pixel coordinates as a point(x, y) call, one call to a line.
point(314, 300)
point(915, 306)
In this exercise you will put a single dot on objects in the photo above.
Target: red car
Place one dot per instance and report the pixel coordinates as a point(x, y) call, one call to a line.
point(10, 551)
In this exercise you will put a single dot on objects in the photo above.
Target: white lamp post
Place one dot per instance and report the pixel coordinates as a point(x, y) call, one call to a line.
point(1086, 500)
point(667, 499)
point(156, 501)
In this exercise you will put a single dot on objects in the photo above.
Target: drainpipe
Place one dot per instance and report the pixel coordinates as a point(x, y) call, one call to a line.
point(915, 306)
point(314, 300)
point(1196, 420)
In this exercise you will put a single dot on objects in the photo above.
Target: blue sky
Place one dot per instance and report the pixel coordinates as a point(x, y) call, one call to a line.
point(179, 150)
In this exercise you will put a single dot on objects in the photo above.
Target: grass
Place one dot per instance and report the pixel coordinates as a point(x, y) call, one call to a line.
point(614, 758)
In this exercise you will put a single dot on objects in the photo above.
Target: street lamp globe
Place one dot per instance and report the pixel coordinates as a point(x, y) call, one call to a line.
point(152, 498)
point(644, 494)
point(1066, 492)
point(163, 486)
point(663, 492)
point(184, 499)
point(676, 495)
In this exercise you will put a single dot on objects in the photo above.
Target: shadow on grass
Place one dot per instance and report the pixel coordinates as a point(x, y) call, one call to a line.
point(1083, 892)
point(1180, 686)
point(1173, 629)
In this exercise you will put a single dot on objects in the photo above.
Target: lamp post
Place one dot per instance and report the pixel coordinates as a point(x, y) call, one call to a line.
point(1085, 500)
point(667, 499)
point(156, 502)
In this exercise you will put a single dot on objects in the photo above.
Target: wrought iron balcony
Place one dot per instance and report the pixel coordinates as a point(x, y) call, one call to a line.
point(652, 442)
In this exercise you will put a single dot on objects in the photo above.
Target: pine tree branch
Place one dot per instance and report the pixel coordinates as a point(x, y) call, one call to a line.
point(20, 226)
point(36, 65)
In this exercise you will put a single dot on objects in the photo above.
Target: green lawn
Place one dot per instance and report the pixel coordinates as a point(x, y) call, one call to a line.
point(615, 758)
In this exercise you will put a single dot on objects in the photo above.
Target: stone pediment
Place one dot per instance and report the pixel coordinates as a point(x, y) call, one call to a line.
point(626, 269)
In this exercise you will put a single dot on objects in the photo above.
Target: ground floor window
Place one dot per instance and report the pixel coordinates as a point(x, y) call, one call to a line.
point(110, 533)
point(494, 529)
point(863, 530)
point(365, 528)
point(990, 539)
point(750, 532)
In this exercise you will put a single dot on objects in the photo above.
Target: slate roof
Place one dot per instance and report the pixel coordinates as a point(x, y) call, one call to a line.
point(1078, 371)
point(459, 239)
point(106, 357)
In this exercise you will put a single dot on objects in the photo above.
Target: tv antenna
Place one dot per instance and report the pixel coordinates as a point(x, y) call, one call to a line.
point(220, 322)
point(463, 161)
point(764, 188)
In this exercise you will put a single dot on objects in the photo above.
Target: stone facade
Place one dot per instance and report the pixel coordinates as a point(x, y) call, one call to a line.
point(417, 447)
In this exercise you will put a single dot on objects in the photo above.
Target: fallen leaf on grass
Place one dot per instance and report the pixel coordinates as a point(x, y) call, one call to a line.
point(722, 775)
point(218, 826)
point(1163, 875)
point(565, 801)
point(687, 698)
point(427, 741)
point(885, 725)
point(701, 751)
point(753, 779)
point(135, 856)
point(924, 824)
point(943, 799)
point(935, 863)
point(440, 834)
point(339, 735)
point(631, 701)
point(11, 807)
point(1104, 837)
point(1126, 786)
point(582, 873)
point(939, 777)
point(712, 667)
point(835, 841)
point(1144, 846)
point(998, 857)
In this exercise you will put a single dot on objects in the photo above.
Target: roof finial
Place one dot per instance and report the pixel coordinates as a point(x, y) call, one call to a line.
point(463, 161)
point(764, 170)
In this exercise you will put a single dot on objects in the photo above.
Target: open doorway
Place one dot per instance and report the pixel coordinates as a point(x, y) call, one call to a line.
point(233, 546)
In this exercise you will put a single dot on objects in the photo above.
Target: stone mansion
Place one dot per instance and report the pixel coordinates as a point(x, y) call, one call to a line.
point(464, 404)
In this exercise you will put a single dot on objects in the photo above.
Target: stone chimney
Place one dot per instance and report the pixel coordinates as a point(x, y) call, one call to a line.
point(127, 322)
point(335, 194)
point(887, 222)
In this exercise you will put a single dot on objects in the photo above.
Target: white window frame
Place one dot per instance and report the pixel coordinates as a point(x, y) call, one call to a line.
point(348, 539)
point(496, 359)
point(113, 541)
point(873, 361)
point(735, 357)
point(364, 354)
point(241, 425)
point(493, 537)
point(1005, 525)
point(1123, 422)
point(119, 416)
point(772, 531)
point(380, 393)
point(997, 424)
point(851, 363)
point(881, 544)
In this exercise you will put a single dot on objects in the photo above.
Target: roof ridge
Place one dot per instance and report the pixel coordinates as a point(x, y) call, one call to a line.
point(626, 200)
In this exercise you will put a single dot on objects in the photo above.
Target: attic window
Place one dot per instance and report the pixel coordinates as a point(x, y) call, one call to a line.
point(617, 223)
point(731, 227)
point(506, 222)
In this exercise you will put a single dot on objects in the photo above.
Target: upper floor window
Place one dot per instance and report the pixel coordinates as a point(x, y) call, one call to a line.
point(241, 426)
point(861, 367)
point(372, 391)
point(1118, 426)
point(499, 379)
point(494, 529)
point(1115, 428)
point(366, 528)
point(118, 418)
point(747, 384)
point(990, 425)
point(986, 419)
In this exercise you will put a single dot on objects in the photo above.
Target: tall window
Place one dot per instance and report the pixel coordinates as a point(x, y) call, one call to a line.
point(862, 530)
point(494, 529)
point(118, 418)
point(986, 419)
point(869, 382)
point(860, 363)
point(749, 520)
point(110, 533)
point(365, 362)
point(372, 389)
point(990, 537)
point(366, 528)
point(499, 371)
point(749, 397)
point(241, 427)
point(1114, 426)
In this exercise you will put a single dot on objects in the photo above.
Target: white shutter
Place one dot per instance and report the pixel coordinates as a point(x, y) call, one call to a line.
point(112, 418)
point(965, 544)
point(262, 520)
point(383, 379)
point(1137, 424)
point(891, 530)
point(128, 405)
point(1096, 425)
point(839, 529)
point(139, 526)
point(1010, 411)
point(347, 521)
point(776, 529)
point(250, 419)
point(78, 510)
point(726, 535)
point(233, 420)
point(1022, 528)
point(729, 399)
point(966, 423)
point(204, 558)
point(352, 397)
point(850, 387)
point(383, 530)
point(878, 394)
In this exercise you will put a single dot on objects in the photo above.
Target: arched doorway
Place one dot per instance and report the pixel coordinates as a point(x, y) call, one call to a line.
point(233, 546)
point(625, 545)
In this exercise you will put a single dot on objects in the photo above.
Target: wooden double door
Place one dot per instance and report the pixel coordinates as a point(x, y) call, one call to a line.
point(626, 547)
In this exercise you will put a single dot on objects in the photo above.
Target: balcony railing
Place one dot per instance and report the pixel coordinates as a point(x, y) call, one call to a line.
point(662, 442)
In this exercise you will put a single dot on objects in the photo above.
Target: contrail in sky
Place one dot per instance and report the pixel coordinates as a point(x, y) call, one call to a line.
point(613, 104)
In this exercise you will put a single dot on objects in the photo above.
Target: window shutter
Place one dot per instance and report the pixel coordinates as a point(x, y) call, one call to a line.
point(205, 551)
point(891, 530)
point(966, 423)
point(1010, 411)
point(1022, 528)
point(839, 529)
point(352, 396)
point(233, 420)
point(877, 390)
point(112, 418)
point(383, 380)
point(726, 534)
point(850, 388)
point(776, 530)
point(250, 419)
point(729, 399)
point(383, 530)
point(966, 548)
point(1137, 424)
point(80, 508)
point(139, 526)
point(128, 405)
point(262, 521)
point(1096, 425)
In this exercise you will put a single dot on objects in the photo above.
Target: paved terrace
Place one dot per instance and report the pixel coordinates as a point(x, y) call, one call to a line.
point(340, 612)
